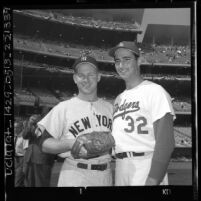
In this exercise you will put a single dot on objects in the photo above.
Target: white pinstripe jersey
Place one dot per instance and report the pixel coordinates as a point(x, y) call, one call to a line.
point(75, 117)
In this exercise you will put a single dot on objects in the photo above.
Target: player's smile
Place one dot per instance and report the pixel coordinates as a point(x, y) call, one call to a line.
point(85, 86)
point(122, 71)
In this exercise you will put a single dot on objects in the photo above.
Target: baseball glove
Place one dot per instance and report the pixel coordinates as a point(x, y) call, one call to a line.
point(95, 144)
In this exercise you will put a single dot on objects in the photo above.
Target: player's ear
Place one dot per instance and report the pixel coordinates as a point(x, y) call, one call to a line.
point(75, 78)
point(99, 77)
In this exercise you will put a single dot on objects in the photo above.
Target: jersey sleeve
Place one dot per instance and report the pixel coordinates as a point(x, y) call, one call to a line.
point(160, 104)
point(54, 121)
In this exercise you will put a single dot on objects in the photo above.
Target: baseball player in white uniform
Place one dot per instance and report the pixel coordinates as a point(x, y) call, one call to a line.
point(142, 124)
point(71, 118)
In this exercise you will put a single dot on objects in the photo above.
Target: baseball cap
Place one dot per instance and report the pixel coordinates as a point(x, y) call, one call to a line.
point(85, 59)
point(127, 45)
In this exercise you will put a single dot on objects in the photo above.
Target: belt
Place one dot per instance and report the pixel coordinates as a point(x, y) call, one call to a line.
point(100, 167)
point(128, 154)
point(18, 156)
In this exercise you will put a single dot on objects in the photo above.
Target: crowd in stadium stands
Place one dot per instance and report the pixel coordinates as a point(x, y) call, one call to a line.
point(166, 54)
point(22, 92)
point(183, 136)
point(157, 54)
point(67, 49)
point(84, 21)
point(47, 67)
point(182, 106)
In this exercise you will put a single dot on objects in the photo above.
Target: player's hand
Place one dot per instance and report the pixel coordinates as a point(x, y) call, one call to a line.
point(95, 143)
point(83, 153)
point(38, 132)
point(151, 182)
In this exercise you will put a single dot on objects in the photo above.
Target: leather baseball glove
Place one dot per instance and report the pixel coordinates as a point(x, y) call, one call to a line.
point(95, 144)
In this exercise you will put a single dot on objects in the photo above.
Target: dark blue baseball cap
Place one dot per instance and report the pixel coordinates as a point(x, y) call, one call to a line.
point(130, 45)
point(85, 59)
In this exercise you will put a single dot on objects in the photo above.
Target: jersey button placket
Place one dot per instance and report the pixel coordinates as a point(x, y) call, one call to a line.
point(93, 116)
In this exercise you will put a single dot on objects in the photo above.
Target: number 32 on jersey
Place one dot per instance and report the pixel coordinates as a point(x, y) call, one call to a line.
point(139, 123)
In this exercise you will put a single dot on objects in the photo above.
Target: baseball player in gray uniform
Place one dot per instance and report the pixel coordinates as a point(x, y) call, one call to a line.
point(70, 119)
point(142, 124)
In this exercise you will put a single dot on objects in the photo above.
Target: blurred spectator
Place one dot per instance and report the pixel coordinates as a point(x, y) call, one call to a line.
point(20, 149)
point(37, 165)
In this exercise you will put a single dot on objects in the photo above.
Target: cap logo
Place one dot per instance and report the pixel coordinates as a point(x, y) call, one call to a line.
point(84, 58)
point(121, 44)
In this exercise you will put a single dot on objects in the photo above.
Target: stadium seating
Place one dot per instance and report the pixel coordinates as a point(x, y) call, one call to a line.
point(166, 54)
point(24, 97)
point(182, 106)
point(45, 96)
point(183, 136)
point(82, 21)
point(70, 49)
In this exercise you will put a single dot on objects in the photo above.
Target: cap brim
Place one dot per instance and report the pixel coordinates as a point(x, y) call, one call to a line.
point(93, 65)
point(113, 50)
